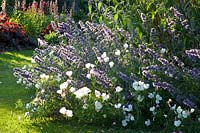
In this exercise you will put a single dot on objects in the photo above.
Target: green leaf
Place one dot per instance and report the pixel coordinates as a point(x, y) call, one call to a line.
point(99, 5)
point(90, 9)
point(100, 19)
point(116, 16)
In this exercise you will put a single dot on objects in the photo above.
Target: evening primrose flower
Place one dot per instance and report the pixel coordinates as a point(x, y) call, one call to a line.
point(124, 123)
point(185, 114)
point(104, 55)
point(147, 122)
point(72, 89)
point(118, 89)
point(88, 76)
point(125, 45)
point(128, 108)
point(88, 65)
point(61, 92)
point(106, 59)
point(163, 50)
point(111, 64)
point(98, 106)
point(152, 109)
point(177, 123)
point(66, 112)
point(117, 52)
point(97, 93)
point(64, 85)
point(44, 76)
point(82, 92)
point(69, 73)
point(105, 96)
point(151, 95)
point(118, 105)
point(179, 109)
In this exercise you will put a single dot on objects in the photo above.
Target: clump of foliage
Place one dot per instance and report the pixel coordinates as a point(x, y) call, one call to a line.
point(111, 78)
point(12, 35)
point(173, 25)
point(33, 18)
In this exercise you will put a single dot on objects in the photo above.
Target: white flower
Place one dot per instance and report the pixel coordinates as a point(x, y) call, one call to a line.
point(19, 81)
point(173, 107)
point(124, 123)
point(88, 76)
point(92, 71)
point(64, 85)
point(24, 67)
point(92, 65)
point(179, 109)
point(185, 114)
point(66, 112)
point(69, 113)
point(192, 110)
point(117, 52)
point(171, 75)
point(105, 96)
point(69, 73)
point(33, 61)
point(131, 117)
point(118, 89)
point(26, 114)
point(151, 95)
point(152, 109)
point(72, 89)
point(140, 98)
point(82, 92)
point(118, 105)
point(125, 45)
point(62, 110)
point(106, 59)
point(104, 115)
point(128, 108)
point(44, 76)
point(199, 119)
point(177, 123)
point(163, 50)
point(146, 86)
point(98, 106)
point(28, 106)
point(97, 93)
point(88, 65)
point(111, 64)
point(104, 55)
point(147, 122)
point(141, 83)
point(61, 92)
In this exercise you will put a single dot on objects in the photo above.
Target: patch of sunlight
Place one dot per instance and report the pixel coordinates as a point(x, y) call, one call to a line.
point(17, 55)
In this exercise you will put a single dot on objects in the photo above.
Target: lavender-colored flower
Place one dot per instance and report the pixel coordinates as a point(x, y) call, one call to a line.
point(193, 53)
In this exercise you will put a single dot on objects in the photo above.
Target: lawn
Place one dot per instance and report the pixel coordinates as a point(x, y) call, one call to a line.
point(12, 118)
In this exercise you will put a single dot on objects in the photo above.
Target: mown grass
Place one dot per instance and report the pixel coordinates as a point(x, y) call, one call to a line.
point(12, 119)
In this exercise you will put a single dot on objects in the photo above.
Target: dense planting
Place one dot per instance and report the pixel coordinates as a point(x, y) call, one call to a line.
point(133, 64)
point(98, 75)
point(13, 36)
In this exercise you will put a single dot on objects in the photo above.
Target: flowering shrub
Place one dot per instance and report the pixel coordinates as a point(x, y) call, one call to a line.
point(102, 76)
point(13, 35)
